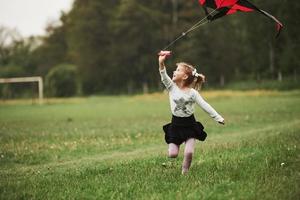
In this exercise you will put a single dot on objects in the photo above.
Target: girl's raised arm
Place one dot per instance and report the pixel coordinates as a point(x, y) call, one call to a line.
point(162, 57)
point(161, 61)
point(165, 79)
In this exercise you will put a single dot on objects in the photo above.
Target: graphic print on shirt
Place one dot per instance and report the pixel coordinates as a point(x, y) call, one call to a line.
point(182, 103)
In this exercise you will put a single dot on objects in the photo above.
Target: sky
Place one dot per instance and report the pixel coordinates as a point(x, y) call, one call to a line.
point(30, 17)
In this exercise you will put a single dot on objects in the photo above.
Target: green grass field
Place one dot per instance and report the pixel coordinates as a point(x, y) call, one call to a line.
point(113, 148)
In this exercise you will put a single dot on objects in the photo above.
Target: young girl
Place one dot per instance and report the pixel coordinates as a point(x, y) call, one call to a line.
point(183, 95)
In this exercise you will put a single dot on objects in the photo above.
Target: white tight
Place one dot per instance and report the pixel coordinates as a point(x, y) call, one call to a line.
point(188, 153)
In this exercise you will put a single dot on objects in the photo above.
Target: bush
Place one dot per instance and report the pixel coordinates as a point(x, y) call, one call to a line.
point(62, 81)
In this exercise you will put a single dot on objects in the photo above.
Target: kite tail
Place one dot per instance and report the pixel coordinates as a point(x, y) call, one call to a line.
point(279, 25)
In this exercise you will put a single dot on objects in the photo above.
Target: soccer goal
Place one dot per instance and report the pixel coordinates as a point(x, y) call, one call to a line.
point(26, 80)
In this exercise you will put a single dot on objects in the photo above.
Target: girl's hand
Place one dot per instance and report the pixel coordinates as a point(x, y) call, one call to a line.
point(222, 122)
point(164, 53)
point(163, 56)
point(161, 59)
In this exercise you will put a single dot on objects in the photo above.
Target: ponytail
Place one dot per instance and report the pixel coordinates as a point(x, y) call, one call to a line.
point(194, 79)
point(198, 81)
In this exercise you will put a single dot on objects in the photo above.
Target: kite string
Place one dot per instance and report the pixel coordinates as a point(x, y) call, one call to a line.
point(195, 26)
point(184, 34)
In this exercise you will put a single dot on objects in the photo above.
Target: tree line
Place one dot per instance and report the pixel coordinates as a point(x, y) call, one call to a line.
point(112, 46)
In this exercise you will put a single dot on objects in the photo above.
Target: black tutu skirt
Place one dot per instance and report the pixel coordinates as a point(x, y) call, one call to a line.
point(183, 128)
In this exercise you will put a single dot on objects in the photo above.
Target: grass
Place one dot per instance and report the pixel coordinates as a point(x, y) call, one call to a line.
point(113, 148)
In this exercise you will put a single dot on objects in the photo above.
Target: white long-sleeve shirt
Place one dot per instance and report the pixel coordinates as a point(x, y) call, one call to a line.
point(182, 102)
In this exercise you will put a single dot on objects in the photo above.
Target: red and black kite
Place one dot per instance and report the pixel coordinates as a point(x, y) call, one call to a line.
point(226, 7)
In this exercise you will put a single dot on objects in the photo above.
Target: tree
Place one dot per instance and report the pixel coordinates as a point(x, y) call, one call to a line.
point(54, 48)
point(89, 40)
point(139, 23)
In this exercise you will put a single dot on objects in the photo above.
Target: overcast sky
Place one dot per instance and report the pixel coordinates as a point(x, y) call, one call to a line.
point(30, 17)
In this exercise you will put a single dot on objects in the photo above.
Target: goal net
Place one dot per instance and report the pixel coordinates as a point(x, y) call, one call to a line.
point(37, 79)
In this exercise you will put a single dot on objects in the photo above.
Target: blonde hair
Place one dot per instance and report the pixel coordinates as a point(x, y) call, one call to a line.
point(194, 79)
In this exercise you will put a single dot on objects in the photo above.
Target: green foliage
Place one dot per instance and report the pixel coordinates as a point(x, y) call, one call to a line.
point(62, 81)
point(53, 51)
point(113, 148)
point(10, 71)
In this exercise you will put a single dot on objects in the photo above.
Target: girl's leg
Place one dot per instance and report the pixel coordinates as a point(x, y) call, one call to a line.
point(173, 150)
point(188, 155)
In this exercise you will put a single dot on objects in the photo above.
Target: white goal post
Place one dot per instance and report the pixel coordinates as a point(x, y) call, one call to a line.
point(27, 79)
